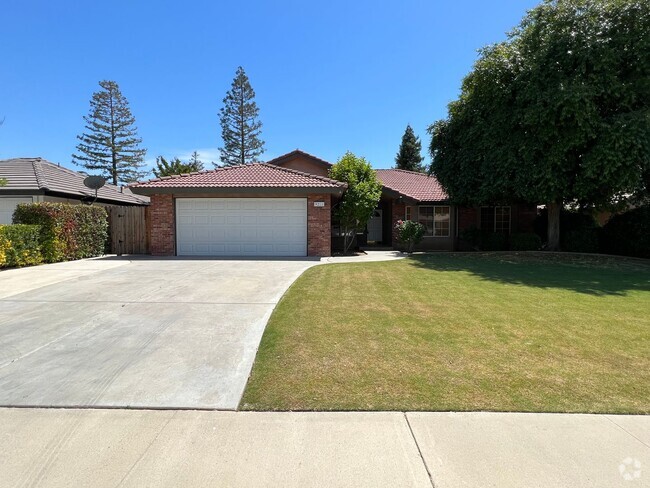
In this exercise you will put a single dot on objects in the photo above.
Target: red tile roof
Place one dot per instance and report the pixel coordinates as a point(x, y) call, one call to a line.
point(417, 186)
point(297, 153)
point(256, 175)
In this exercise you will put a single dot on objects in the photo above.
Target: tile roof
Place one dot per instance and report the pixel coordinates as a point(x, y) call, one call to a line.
point(256, 175)
point(296, 153)
point(417, 186)
point(37, 174)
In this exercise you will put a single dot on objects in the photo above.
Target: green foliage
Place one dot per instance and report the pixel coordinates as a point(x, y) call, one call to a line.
point(240, 126)
point(3, 182)
point(493, 241)
point(409, 156)
point(559, 112)
point(361, 197)
point(19, 245)
point(628, 233)
point(525, 241)
point(111, 144)
point(578, 231)
point(67, 231)
point(176, 166)
point(409, 233)
point(471, 236)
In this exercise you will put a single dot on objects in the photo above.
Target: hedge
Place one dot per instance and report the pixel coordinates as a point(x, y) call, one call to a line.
point(628, 233)
point(67, 231)
point(525, 241)
point(19, 245)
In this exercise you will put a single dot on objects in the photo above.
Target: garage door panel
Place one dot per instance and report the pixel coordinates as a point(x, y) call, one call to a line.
point(242, 226)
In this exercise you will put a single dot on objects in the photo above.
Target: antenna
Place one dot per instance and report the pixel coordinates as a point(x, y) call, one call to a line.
point(94, 183)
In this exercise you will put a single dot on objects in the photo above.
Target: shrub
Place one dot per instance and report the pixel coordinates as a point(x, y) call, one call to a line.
point(471, 237)
point(628, 233)
point(19, 245)
point(525, 242)
point(67, 231)
point(493, 241)
point(410, 233)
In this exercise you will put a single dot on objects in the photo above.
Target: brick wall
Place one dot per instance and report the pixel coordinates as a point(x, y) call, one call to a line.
point(399, 209)
point(467, 217)
point(319, 226)
point(162, 225)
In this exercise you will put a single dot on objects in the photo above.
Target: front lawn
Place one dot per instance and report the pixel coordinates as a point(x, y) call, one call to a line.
point(502, 332)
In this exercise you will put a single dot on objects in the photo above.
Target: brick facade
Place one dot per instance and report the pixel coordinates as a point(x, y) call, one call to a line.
point(467, 218)
point(319, 225)
point(162, 229)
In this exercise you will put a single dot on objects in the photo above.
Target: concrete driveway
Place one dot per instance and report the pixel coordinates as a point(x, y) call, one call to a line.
point(143, 332)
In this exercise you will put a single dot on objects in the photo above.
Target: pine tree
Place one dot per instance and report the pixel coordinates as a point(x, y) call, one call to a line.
point(409, 156)
point(240, 127)
point(110, 144)
point(176, 167)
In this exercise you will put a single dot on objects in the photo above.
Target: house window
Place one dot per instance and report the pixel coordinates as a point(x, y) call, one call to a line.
point(496, 219)
point(435, 220)
point(407, 213)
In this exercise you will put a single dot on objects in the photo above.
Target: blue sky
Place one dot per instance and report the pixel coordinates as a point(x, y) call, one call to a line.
point(329, 76)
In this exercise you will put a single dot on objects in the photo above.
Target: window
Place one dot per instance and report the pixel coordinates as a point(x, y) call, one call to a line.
point(435, 220)
point(495, 219)
point(407, 213)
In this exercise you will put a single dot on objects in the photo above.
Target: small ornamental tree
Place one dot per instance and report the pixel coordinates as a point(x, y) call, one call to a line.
point(361, 197)
point(409, 156)
point(410, 233)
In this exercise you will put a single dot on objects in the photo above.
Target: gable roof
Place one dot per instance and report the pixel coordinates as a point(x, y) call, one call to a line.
point(241, 177)
point(417, 186)
point(299, 153)
point(38, 175)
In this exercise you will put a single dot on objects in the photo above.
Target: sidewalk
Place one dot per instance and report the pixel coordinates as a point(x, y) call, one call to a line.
point(138, 448)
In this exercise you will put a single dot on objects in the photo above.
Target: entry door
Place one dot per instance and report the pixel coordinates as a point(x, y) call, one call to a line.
point(241, 226)
point(375, 226)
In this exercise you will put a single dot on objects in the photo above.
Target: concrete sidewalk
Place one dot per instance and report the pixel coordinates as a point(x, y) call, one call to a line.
point(63, 448)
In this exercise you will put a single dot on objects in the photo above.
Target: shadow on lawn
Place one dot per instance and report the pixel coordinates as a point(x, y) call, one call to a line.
point(583, 274)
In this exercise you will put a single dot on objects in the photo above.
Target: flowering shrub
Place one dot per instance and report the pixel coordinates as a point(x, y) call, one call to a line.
point(409, 233)
point(19, 245)
point(67, 231)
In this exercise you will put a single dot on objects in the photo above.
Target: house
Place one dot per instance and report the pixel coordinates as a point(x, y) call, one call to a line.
point(37, 180)
point(284, 207)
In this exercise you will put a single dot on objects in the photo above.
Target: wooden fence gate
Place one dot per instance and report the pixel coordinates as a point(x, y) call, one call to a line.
point(127, 230)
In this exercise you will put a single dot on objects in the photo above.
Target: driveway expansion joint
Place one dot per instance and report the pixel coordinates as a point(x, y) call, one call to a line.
point(424, 462)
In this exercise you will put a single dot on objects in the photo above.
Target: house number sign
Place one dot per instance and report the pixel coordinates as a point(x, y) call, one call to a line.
point(319, 204)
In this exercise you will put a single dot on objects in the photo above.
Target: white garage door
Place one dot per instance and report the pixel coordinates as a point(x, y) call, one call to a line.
point(7, 207)
point(241, 226)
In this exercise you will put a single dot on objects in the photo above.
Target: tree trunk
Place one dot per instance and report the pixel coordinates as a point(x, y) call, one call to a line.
point(553, 210)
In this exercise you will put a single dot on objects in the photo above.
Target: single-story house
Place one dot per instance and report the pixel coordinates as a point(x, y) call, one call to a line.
point(37, 180)
point(284, 207)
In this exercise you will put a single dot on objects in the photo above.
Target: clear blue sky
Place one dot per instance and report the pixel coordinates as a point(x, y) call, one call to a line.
point(330, 76)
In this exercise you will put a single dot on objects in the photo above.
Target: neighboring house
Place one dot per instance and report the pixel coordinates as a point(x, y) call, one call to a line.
point(37, 180)
point(284, 208)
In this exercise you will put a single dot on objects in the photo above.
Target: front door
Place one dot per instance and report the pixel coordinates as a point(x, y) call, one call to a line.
point(375, 226)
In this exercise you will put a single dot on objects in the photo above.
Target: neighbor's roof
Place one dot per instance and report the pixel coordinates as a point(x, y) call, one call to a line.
point(417, 186)
point(38, 175)
point(298, 153)
point(255, 175)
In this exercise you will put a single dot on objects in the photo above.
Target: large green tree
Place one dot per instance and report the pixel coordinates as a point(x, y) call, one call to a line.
point(361, 197)
point(110, 145)
point(240, 124)
point(176, 167)
point(558, 113)
point(409, 156)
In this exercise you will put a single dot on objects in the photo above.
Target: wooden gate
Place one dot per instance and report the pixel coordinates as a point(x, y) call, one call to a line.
point(127, 230)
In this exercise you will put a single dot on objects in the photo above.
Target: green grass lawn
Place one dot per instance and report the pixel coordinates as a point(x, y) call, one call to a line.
point(542, 333)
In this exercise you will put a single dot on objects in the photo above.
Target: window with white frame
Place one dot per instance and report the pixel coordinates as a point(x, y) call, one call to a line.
point(435, 219)
point(496, 219)
point(407, 213)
